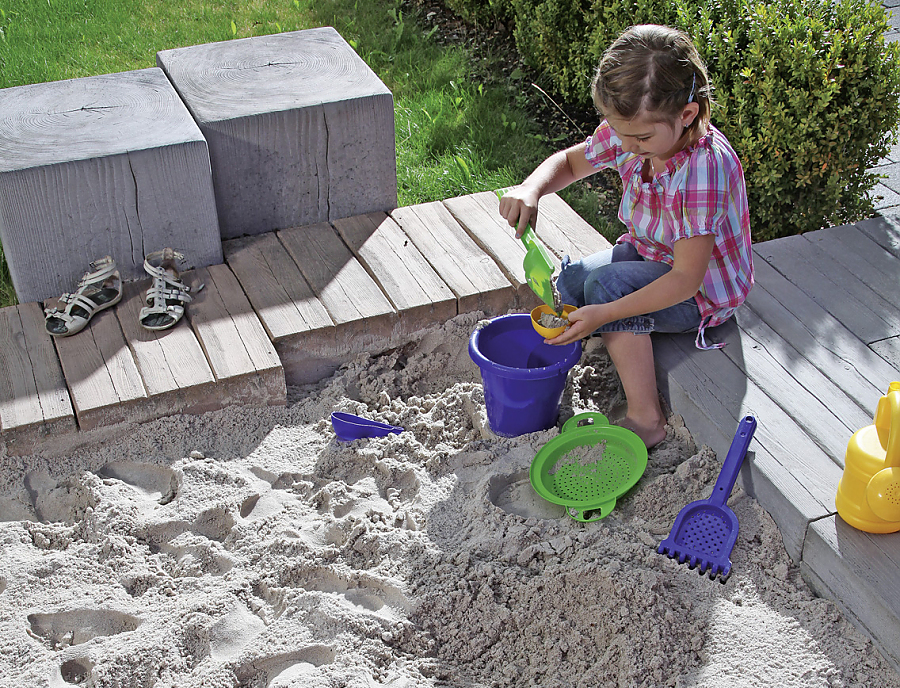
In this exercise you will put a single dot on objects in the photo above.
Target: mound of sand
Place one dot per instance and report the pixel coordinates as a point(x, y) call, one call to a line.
point(248, 547)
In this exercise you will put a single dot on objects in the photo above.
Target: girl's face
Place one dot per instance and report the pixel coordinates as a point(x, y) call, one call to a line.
point(651, 138)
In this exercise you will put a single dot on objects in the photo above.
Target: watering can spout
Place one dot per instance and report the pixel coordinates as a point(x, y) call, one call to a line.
point(868, 496)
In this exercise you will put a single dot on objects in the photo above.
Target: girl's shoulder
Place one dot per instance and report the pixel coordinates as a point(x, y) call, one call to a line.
point(711, 158)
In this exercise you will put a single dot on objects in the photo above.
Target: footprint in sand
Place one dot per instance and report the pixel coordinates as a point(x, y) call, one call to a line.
point(76, 626)
point(151, 481)
point(361, 592)
point(76, 671)
point(282, 670)
point(515, 495)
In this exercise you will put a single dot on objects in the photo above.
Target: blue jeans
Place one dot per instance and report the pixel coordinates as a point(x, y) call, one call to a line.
point(611, 274)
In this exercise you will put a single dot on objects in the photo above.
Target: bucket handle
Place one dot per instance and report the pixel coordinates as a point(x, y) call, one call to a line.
point(887, 424)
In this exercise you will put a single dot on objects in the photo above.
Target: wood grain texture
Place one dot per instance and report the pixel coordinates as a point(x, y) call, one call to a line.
point(859, 572)
point(478, 214)
point(168, 360)
point(832, 286)
point(828, 332)
point(300, 129)
point(281, 297)
point(336, 277)
point(101, 374)
point(418, 293)
point(471, 274)
point(110, 165)
point(231, 335)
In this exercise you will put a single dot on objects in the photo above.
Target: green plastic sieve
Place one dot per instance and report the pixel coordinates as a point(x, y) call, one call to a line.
point(587, 467)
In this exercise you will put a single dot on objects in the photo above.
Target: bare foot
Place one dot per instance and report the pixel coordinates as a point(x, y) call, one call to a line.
point(650, 434)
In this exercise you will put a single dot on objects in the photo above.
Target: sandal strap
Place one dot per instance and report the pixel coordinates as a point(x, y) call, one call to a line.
point(160, 257)
point(102, 268)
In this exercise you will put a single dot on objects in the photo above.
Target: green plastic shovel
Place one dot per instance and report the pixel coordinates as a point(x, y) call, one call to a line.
point(538, 265)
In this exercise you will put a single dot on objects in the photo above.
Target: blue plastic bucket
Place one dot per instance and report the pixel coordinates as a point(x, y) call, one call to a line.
point(523, 378)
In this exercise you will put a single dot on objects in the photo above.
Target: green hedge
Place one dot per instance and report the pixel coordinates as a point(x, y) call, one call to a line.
point(808, 90)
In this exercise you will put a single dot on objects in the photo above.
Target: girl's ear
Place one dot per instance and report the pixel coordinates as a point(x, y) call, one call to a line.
point(689, 114)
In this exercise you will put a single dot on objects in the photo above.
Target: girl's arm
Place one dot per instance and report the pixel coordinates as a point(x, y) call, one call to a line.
point(682, 282)
point(519, 205)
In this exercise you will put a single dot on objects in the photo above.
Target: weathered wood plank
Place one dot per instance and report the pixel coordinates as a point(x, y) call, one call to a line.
point(472, 274)
point(233, 339)
point(858, 571)
point(34, 401)
point(565, 232)
point(794, 340)
point(103, 379)
point(296, 320)
point(478, 214)
point(884, 231)
point(863, 257)
point(889, 350)
point(832, 286)
point(168, 360)
point(337, 278)
point(828, 331)
point(280, 295)
point(417, 292)
point(818, 405)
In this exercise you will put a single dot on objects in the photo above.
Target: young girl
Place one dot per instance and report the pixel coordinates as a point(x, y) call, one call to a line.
point(685, 262)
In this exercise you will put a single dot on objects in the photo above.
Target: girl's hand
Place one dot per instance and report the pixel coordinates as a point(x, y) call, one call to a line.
point(584, 321)
point(519, 207)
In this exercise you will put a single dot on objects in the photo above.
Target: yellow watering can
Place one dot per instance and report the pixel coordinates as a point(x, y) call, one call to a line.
point(868, 496)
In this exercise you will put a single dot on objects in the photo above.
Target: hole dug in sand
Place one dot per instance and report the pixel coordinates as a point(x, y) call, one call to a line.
point(515, 495)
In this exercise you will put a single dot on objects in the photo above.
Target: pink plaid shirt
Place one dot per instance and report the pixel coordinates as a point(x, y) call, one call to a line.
point(701, 191)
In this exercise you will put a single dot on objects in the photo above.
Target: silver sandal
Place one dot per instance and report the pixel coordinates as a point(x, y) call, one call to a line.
point(168, 295)
point(99, 289)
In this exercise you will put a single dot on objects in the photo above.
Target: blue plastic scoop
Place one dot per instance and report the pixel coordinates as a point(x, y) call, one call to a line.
point(348, 427)
point(705, 531)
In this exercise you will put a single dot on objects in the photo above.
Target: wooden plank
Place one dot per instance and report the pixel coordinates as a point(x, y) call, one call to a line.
point(478, 214)
point(830, 333)
point(818, 405)
point(33, 392)
point(795, 339)
point(862, 256)
point(889, 350)
point(418, 293)
point(234, 340)
point(832, 286)
point(168, 360)
point(103, 379)
point(280, 295)
point(859, 572)
point(884, 231)
point(337, 278)
point(565, 232)
point(474, 277)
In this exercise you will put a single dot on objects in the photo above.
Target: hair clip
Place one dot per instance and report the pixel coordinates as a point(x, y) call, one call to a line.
point(693, 84)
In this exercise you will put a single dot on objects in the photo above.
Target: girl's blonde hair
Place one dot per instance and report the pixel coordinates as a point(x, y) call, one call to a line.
point(654, 70)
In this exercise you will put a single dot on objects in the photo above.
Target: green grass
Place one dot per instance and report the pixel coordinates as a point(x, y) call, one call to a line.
point(459, 129)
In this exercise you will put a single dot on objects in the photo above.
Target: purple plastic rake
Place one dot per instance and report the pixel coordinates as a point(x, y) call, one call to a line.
point(705, 531)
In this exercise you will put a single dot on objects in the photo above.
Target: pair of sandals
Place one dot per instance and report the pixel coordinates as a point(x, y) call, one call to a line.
point(101, 288)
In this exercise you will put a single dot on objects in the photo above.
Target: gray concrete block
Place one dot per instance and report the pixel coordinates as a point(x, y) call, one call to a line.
point(300, 130)
point(104, 165)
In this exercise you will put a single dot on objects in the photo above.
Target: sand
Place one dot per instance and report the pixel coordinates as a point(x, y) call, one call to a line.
point(248, 547)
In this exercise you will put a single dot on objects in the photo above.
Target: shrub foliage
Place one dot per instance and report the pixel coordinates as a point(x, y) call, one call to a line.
point(807, 90)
